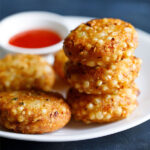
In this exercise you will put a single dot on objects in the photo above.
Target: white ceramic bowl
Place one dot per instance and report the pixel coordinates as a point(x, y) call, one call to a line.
point(16, 23)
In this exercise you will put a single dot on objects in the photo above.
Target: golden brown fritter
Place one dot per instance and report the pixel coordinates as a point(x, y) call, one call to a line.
point(33, 112)
point(105, 80)
point(101, 42)
point(102, 108)
point(22, 72)
point(59, 63)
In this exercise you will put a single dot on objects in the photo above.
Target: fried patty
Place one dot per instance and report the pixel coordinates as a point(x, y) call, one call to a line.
point(102, 108)
point(24, 72)
point(101, 42)
point(103, 80)
point(59, 63)
point(33, 112)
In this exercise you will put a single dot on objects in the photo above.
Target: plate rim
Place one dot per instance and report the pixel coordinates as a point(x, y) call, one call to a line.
point(31, 137)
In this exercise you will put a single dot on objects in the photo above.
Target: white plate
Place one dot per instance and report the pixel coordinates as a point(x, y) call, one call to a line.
point(78, 131)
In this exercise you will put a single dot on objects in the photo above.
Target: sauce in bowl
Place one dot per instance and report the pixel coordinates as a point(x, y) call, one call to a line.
point(37, 38)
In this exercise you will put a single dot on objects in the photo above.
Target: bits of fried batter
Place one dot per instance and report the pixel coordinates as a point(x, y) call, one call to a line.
point(33, 112)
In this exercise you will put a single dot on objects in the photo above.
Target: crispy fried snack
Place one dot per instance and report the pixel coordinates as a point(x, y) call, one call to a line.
point(103, 80)
point(33, 112)
point(59, 63)
point(22, 72)
point(101, 42)
point(102, 108)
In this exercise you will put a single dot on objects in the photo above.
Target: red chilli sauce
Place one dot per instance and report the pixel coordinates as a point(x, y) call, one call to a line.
point(37, 38)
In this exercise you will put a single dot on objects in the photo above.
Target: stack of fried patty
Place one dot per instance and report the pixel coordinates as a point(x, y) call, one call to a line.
point(102, 70)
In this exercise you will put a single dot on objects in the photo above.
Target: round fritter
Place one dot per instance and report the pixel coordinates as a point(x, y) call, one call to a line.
point(105, 80)
point(33, 112)
point(101, 41)
point(22, 72)
point(102, 108)
point(59, 63)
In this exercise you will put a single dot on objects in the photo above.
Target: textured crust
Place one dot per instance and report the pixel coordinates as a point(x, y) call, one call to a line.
point(101, 41)
point(21, 72)
point(102, 108)
point(33, 112)
point(59, 63)
point(105, 80)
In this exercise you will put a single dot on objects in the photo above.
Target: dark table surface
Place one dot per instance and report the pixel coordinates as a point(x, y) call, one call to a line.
point(135, 11)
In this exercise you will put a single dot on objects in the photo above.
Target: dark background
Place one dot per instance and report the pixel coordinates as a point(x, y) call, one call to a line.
point(135, 11)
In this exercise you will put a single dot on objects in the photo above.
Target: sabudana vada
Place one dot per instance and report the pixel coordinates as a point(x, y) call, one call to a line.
point(33, 112)
point(102, 108)
point(59, 63)
point(101, 42)
point(24, 72)
point(103, 80)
